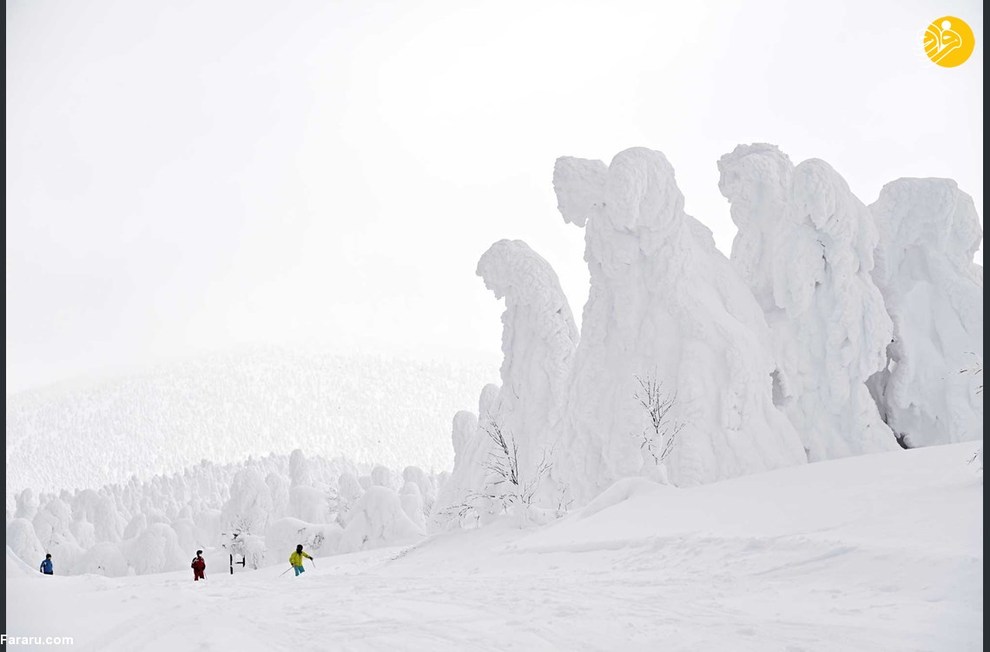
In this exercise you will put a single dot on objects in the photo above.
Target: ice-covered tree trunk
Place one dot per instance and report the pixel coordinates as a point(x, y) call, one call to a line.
point(929, 231)
point(663, 303)
point(539, 338)
point(805, 247)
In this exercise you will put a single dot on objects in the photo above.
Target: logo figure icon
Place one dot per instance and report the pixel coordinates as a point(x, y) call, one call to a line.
point(949, 41)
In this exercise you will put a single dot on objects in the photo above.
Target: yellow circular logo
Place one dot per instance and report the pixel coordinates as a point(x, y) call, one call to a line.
point(949, 41)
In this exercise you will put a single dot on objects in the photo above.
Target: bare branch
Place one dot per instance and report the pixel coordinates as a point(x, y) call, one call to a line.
point(659, 437)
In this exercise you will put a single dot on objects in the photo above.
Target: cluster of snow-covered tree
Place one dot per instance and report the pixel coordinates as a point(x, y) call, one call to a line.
point(833, 329)
point(228, 405)
point(271, 504)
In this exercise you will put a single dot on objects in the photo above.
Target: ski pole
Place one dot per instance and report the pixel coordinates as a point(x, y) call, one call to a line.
point(285, 571)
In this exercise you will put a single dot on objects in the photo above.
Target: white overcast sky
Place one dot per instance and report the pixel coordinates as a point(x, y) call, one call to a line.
point(189, 175)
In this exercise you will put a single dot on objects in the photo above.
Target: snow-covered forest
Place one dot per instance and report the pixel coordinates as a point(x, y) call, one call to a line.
point(270, 503)
point(224, 407)
point(833, 329)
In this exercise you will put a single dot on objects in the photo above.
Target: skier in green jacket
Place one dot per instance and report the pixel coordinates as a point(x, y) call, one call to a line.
point(296, 559)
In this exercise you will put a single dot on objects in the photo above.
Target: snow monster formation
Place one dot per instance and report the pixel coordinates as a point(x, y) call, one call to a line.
point(538, 339)
point(665, 305)
point(929, 231)
point(805, 246)
point(461, 495)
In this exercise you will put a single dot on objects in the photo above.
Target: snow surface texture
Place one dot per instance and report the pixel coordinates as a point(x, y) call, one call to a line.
point(272, 504)
point(929, 231)
point(225, 407)
point(664, 304)
point(877, 552)
point(805, 247)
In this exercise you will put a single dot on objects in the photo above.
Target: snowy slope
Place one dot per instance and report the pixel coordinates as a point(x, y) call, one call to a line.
point(877, 552)
point(225, 407)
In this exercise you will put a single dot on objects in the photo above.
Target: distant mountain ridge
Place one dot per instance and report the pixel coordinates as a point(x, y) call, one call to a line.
point(225, 406)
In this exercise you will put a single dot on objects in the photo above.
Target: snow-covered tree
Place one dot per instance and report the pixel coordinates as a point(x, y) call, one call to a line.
point(378, 520)
point(283, 535)
point(250, 505)
point(381, 476)
point(412, 504)
point(103, 558)
point(929, 232)
point(27, 504)
point(156, 550)
point(427, 490)
point(24, 542)
point(279, 489)
point(137, 525)
point(805, 246)
point(462, 494)
point(539, 338)
point(299, 470)
point(662, 298)
point(309, 504)
point(349, 491)
point(106, 520)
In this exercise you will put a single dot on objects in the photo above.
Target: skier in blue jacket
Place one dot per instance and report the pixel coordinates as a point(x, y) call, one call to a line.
point(46, 566)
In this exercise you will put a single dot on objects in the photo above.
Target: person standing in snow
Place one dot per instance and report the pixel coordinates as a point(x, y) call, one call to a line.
point(296, 559)
point(199, 566)
point(46, 566)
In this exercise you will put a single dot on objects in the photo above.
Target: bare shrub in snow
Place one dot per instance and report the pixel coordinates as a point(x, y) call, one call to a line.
point(506, 485)
point(976, 369)
point(660, 434)
point(977, 460)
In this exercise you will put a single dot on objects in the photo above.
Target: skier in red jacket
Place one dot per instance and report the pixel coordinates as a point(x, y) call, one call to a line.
point(199, 566)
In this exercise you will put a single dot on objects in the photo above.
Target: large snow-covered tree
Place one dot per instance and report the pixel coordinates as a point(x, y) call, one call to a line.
point(929, 231)
point(663, 301)
point(539, 339)
point(805, 246)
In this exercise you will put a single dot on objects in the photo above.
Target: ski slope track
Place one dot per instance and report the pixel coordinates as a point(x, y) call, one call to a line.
point(875, 552)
